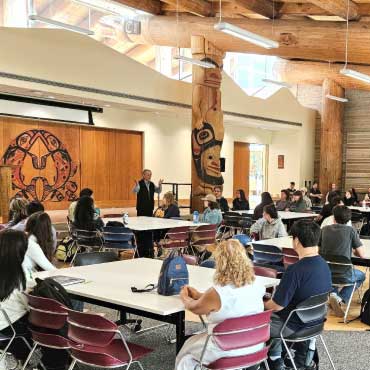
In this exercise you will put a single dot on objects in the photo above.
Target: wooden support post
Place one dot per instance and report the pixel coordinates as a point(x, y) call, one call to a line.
point(331, 136)
point(207, 121)
point(5, 192)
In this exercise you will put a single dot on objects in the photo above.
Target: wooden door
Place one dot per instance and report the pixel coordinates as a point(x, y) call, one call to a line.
point(241, 167)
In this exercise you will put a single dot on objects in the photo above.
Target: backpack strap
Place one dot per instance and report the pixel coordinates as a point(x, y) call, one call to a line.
point(148, 288)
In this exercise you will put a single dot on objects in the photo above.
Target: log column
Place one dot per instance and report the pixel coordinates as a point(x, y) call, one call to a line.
point(331, 136)
point(207, 121)
point(5, 192)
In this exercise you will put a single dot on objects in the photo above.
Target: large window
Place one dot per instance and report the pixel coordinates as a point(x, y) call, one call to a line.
point(257, 172)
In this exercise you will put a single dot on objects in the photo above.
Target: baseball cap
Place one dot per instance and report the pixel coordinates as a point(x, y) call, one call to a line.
point(210, 198)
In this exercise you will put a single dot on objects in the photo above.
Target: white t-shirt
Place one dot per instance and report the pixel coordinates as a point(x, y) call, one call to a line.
point(34, 258)
point(15, 307)
point(330, 221)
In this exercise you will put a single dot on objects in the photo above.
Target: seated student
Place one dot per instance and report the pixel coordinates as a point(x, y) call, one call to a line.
point(340, 240)
point(17, 211)
point(291, 189)
point(222, 202)
point(315, 194)
point(270, 226)
point(235, 293)
point(327, 210)
point(40, 250)
point(367, 195)
point(86, 192)
point(308, 277)
point(265, 200)
point(13, 247)
point(240, 203)
point(283, 203)
point(33, 207)
point(348, 199)
point(170, 206)
point(355, 195)
point(298, 204)
point(85, 217)
point(211, 214)
point(333, 189)
point(306, 199)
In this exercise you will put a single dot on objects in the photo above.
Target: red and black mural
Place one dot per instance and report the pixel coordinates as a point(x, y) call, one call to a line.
point(53, 170)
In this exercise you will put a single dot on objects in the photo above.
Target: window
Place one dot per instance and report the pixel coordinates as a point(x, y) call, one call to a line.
point(257, 172)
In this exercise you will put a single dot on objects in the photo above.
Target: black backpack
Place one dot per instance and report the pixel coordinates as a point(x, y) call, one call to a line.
point(49, 288)
point(365, 308)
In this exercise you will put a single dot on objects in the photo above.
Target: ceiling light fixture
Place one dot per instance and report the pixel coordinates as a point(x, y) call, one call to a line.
point(277, 83)
point(350, 72)
point(193, 61)
point(105, 6)
point(245, 35)
point(337, 98)
point(52, 22)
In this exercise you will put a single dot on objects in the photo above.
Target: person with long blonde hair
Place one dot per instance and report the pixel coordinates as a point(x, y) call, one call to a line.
point(236, 292)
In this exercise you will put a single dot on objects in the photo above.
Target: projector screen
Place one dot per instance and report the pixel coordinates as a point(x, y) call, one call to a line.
point(46, 112)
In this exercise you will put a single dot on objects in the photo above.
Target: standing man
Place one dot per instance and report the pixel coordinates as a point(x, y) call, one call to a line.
point(145, 190)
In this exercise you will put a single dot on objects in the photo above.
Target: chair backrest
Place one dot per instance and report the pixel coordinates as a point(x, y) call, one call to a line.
point(231, 219)
point(46, 312)
point(94, 258)
point(267, 253)
point(210, 264)
point(113, 215)
point(341, 269)
point(204, 235)
point(357, 216)
point(265, 271)
point(177, 237)
point(90, 329)
point(85, 235)
point(243, 331)
point(244, 239)
point(290, 257)
point(118, 234)
point(313, 309)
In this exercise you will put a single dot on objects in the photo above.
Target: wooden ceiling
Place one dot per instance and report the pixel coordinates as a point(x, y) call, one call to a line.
point(281, 9)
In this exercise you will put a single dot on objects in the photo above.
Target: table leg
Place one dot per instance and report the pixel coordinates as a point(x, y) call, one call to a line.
point(180, 330)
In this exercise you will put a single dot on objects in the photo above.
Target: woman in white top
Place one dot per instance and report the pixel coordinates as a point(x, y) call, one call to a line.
point(13, 246)
point(235, 293)
point(40, 244)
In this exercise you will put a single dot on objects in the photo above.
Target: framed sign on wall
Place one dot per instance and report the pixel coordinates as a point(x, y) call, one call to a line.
point(280, 161)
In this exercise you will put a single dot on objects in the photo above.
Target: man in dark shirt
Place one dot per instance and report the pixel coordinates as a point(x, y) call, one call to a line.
point(308, 277)
point(341, 240)
point(222, 202)
point(315, 194)
point(291, 189)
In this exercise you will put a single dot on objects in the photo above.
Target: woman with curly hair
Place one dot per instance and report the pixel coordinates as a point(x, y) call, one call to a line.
point(235, 293)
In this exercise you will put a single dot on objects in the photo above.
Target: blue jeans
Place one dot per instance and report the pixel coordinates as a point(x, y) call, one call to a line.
point(345, 293)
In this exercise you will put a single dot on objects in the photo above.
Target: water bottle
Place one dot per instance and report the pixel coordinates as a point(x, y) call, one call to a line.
point(364, 203)
point(196, 217)
point(125, 218)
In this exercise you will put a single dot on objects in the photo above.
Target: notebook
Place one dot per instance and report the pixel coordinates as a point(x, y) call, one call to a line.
point(67, 280)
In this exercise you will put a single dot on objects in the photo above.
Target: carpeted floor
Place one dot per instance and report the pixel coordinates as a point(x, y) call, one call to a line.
point(349, 350)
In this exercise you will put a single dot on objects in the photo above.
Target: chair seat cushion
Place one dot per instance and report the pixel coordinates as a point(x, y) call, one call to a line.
point(306, 332)
point(112, 355)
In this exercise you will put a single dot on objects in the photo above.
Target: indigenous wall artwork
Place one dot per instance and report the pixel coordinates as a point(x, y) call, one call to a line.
point(52, 177)
point(207, 121)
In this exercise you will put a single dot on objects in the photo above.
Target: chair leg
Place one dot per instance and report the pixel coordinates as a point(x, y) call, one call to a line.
point(266, 365)
point(349, 304)
point(139, 364)
point(327, 351)
point(72, 365)
point(29, 356)
point(289, 354)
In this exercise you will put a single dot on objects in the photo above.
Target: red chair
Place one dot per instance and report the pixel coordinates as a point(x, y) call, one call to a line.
point(290, 257)
point(176, 238)
point(266, 272)
point(202, 237)
point(190, 260)
point(46, 313)
point(238, 333)
point(97, 342)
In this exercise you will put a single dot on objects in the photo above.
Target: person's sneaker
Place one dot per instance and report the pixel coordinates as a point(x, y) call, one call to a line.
point(336, 304)
point(277, 364)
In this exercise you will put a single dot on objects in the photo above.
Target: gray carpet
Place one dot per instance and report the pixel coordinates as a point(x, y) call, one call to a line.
point(349, 350)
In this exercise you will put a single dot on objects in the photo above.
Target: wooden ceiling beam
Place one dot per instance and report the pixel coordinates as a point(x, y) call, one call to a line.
point(149, 6)
point(338, 7)
point(262, 7)
point(197, 7)
point(299, 39)
point(314, 73)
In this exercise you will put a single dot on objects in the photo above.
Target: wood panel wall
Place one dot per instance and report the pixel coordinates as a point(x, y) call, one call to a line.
point(241, 166)
point(105, 160)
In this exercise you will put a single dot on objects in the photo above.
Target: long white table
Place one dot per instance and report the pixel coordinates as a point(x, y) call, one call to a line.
point(360, 209)
point(143, 223)
point(283, 214)
point(286, 242)
point(109, 285)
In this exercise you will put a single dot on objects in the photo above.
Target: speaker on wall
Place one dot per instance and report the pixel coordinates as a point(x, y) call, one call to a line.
point(222, 164)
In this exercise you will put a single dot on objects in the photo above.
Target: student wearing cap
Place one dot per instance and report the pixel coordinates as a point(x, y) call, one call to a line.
point(212, 213)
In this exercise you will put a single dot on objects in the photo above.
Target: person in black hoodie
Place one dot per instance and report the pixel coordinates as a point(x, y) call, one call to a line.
point(222, 202)
point(265, 200)
point(240, 203)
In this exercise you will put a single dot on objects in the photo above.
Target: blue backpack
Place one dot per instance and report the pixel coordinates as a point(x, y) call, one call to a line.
point(174, 275)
